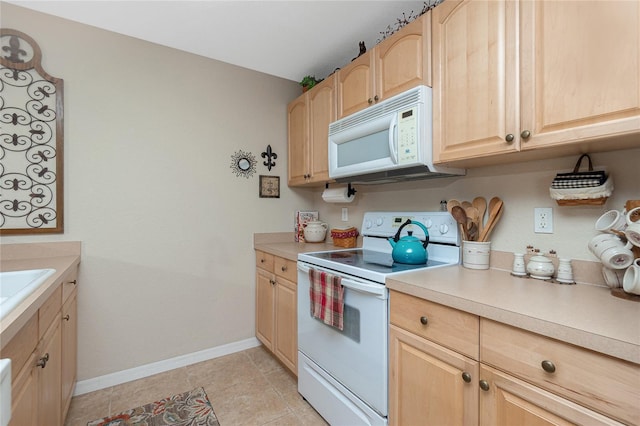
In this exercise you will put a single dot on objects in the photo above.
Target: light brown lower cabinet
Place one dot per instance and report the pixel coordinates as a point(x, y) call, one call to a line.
point(43, 358)
point(276, 307)
point(519, 378)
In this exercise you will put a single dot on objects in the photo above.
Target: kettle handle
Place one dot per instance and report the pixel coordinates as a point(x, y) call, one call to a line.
point(396, 238)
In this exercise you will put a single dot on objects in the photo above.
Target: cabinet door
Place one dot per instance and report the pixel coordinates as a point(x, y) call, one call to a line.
point(24, 395)
point(403, 60)
point(426, 385)
point(69, 349)
point(580, 70)
point(286, 340)
point(49, 376)
point(355, 85)
point(298, 140)
point(475, 86)
point(322, 112)
point(509, 401)
point(265, 299)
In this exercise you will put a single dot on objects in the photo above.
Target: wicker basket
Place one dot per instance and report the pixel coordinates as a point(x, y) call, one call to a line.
point(346, 238)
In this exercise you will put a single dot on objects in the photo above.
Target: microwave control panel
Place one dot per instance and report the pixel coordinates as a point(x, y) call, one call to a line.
point(408, 135)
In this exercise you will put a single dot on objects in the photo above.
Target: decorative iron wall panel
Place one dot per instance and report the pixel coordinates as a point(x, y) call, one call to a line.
point(31, 139)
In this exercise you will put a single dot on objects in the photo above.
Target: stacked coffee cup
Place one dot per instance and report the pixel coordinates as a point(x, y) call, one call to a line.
point(614, 249)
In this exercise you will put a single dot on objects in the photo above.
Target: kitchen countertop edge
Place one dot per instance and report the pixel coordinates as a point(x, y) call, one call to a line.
point(583, 327)
point(18, 317)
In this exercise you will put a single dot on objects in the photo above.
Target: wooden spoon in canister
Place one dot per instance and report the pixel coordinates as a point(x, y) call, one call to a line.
point(481, 205)
point(451, 204)
point(494, 216)
point(460, 216)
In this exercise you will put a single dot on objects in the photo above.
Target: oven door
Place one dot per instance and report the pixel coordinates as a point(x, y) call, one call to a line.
point(356, 357)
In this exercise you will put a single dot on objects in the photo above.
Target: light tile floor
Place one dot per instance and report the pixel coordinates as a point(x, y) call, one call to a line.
point(245, 388)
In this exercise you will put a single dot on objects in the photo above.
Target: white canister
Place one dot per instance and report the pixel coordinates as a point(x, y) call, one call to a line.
point(475, 254)
point(540, 267)
point(315, 232)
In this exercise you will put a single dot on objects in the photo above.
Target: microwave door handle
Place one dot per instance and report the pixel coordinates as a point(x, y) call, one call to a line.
point(393, 140)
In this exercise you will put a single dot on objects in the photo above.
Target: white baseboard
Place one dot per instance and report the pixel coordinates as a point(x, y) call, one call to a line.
point(108, 380)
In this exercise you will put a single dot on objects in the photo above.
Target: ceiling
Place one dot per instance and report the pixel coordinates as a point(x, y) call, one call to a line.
point(288, 39)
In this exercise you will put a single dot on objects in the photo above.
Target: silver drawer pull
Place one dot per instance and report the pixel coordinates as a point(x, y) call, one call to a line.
point(424, 320)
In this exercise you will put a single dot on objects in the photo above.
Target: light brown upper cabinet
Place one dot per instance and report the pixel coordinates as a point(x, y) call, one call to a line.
point(396, 64)
point(308, 120)
point(514, 76)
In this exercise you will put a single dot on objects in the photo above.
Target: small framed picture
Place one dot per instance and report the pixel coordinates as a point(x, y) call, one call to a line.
point(269, 186)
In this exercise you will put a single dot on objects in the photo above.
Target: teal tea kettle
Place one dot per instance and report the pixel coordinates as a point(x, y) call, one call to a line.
point(410, 249)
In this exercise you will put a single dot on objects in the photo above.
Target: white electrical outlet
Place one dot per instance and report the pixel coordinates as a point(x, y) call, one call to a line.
point(345, 214)
point(543, 220)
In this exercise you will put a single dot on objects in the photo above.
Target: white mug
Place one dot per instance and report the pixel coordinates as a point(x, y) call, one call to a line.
point(613, 220)
point(632, 232)
point(631, 281)
point(612, 251)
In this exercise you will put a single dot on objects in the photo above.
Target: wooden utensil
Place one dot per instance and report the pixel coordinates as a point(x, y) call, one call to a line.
point(451, 204)
point(460, 216)
point(481, 205)
point(494, 216)
point(465, 204)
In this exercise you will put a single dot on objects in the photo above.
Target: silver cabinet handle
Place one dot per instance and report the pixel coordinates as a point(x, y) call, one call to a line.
point(484, 385)
point(424, 320)
point(525, 134)
point(466, 377)
point(509, 138)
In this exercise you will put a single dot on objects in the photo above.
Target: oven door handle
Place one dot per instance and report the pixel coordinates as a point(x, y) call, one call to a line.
point(373, 289)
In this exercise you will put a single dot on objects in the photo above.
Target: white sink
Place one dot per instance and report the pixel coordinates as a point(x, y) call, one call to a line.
point(5, 391)
point(15, 286)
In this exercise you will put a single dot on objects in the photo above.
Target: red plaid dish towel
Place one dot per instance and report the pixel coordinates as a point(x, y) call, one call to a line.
point(327, 298)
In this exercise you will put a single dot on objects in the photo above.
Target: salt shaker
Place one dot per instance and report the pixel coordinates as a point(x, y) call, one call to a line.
point(518, 265)
point(565, 272)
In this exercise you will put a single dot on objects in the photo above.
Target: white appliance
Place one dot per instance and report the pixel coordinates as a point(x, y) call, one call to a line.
point(343, 373)
point(388, 142)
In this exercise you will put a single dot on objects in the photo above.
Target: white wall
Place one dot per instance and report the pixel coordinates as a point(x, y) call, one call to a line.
point(167, 228)
point(522, 186)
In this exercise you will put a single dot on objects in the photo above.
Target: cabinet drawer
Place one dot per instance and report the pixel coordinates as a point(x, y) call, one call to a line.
point(21, 346)
point(48, 310)
point(286, 269)
point(605, 384)
point(449, 327)
point(264, 260)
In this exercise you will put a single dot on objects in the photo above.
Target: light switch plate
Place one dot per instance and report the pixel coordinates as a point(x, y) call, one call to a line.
point(345, 214)
point(543, 220)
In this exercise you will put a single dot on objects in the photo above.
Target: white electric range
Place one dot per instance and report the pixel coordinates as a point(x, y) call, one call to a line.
point(343, 373)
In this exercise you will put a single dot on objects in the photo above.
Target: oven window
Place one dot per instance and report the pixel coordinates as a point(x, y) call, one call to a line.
point(367, 148)
point(351, 323)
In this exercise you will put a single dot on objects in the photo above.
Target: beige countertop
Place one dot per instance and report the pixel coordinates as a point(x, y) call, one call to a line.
point(17, 257)
point(584, 315)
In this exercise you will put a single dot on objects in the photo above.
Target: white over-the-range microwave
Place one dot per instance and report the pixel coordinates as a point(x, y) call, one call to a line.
point(388, 142)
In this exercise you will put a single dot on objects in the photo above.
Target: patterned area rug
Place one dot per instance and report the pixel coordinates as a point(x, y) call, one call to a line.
point(190, 408)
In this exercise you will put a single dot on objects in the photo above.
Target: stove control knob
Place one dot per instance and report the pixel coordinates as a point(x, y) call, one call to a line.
point(444, 228)
point(367, 224)
point(428, 223)
point(379, 221)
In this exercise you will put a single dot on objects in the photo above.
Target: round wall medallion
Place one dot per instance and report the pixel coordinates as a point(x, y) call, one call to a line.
point(243, 163)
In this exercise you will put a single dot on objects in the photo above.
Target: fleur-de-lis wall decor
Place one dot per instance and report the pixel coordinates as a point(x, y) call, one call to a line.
point(269, 155)
point(31, 139)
